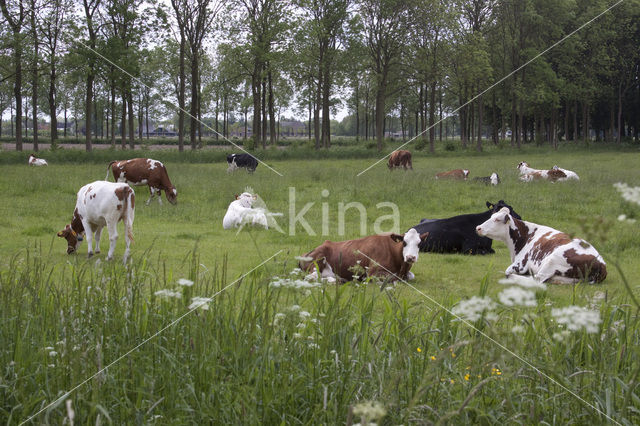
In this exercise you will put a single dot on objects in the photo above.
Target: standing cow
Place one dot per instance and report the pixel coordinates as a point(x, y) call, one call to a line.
point(384, 255)
point(238, 161)
point(98, 204)
point(400, 159)
point(544, 252)
point(145, 171)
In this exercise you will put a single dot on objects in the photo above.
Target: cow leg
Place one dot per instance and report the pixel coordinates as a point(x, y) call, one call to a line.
point(150, 196)
point(159, 192)
point(113, 237)
point(89, 237)
point(98, 235)
point(127, 240)
point(548, 273)
point(513, 269)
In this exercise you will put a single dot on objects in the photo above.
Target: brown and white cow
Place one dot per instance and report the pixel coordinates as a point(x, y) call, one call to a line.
point(400, 158)
point(383, 255)
point(457, 174)
point(544, 252)
point(145, 171)
point(556, 174)
point(98, 204)
point(35, 161)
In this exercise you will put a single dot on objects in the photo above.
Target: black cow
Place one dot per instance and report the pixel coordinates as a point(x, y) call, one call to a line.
point(237, 161)
point(458, 234)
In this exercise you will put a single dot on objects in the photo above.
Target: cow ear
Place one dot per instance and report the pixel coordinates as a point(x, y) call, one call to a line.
point(506, 218)
point(397, 237)
point(424, 236)
point(489, 205)
point(61, 233)
point(236, 196)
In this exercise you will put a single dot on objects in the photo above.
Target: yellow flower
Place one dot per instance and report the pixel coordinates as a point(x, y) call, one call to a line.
point(419, 350)
point(466, 377)
point(453, 355)
point(433, 358)
point(452, 381)
point(496, 371)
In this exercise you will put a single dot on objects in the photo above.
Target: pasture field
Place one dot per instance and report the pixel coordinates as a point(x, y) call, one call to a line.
point(267, 353)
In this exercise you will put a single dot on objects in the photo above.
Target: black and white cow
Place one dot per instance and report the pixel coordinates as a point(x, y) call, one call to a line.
point(458, 234)
point(238, 161)
point(543, 252)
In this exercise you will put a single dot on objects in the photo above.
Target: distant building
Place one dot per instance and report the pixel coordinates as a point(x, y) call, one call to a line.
point(162, 132)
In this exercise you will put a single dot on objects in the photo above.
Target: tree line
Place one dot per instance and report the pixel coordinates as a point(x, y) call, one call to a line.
point(494, 68)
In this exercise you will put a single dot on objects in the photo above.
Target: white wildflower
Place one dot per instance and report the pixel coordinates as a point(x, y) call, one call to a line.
point(297, 336)
point(185, 282)
point(303, 258)
point(304, 314)
point(629, 193)
point(313, 346)
point(301, 326)
point(310, 338)
point(296, 271)
point(200, 302)
point(517, 329)
point(294, 308)
point(472, 309)
point(168, 294)
point(516, 296)
point(524, 281)
point(280, 316)
point(577, 317)
point(49, 348)
point(561, 336)
point(53, 353)
point(369, 411)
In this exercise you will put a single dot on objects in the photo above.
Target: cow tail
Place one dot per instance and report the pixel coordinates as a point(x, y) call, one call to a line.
point(109, 167)
point(128, 212)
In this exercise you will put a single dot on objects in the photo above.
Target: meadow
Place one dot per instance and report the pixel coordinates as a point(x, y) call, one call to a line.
point(263, 348)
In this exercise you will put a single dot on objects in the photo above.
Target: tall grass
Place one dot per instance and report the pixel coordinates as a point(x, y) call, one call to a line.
point(266, 354)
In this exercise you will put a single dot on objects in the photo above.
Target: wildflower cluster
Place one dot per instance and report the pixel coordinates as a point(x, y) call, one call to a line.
point(576, 318)
point(369, 411)
point(196, 302)
point(296, 322)
point(472, 309)
point(629, 193)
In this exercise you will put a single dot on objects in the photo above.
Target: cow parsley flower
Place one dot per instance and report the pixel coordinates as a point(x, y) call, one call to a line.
point(168, 294)
point(369, 411)
point(516, 296)
point(524, 281)
point(517, 329)
point(629, 193)
point(576, 318)
point(293, 283)
point(185, 282)
point(200, 302)
point(473, 308)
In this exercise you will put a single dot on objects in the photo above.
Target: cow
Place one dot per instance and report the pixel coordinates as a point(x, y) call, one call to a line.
point(494, 179)
point(457, 174)
point(35, 161)
point(543, 252)
point(98, 204)
point(457, 234)
point(556, 174)
point(145, 171)
point(237, 161)
point(569, 174)
point(241, 211)
point(389, 256)
point(400, 158)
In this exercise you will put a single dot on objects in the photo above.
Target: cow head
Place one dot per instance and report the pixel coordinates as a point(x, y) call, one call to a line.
point(499, 206)
point(497, 227)
point(172, 195)
point(246, 199)
point(523, 165)
point(72, 237)
point(465, 172)
point(410, 241)
point(494, 178)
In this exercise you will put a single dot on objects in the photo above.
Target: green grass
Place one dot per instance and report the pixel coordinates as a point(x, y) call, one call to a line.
point(239, 362)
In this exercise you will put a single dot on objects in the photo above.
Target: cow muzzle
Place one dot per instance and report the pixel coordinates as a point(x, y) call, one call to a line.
point(410, 259)
point(479, 231)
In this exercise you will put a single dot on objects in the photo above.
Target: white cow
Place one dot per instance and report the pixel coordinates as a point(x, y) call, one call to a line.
point(544, 252)
point(98, 204)
point(241, 212)
point(570, 174)
point(35, 161)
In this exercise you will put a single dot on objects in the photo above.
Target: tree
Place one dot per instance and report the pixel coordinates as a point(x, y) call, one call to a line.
point(15, 18)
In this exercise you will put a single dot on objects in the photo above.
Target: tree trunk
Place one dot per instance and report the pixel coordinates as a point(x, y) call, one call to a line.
point(480, 108)
point(132, 137)
point(88, 110)
point(263, 111)
point(380, 112)
point(316, 110)
point(181, 92)
point(255, 89)
point(432, 117)
point(272, 114)
point(113, 114)
point(195, 101)
point(123, 124)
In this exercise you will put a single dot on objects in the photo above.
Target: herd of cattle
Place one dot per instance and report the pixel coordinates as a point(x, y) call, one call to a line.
point(545, 253)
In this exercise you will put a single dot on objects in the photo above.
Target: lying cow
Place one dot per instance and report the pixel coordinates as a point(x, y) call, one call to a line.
point(98, 204)
point(457, 174)
point(383, 255)
point(145, 171)
point(554, 175)
point(238, 161)
point(400, 158)
point(458, 234)
point(241, 212)
point(568, 173)
point(494, 179)
point(35, 161)
point(545, 253)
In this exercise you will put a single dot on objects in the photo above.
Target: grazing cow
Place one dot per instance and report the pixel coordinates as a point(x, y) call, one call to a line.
point(237, 161)
point(241, 212)
point(383, 255)
point(494, 179)
point(458, 234)
point(400, 158)
point(98, 204)
point(458, 174)
point(544, 252)
point(145, 171)
point(35, 161)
